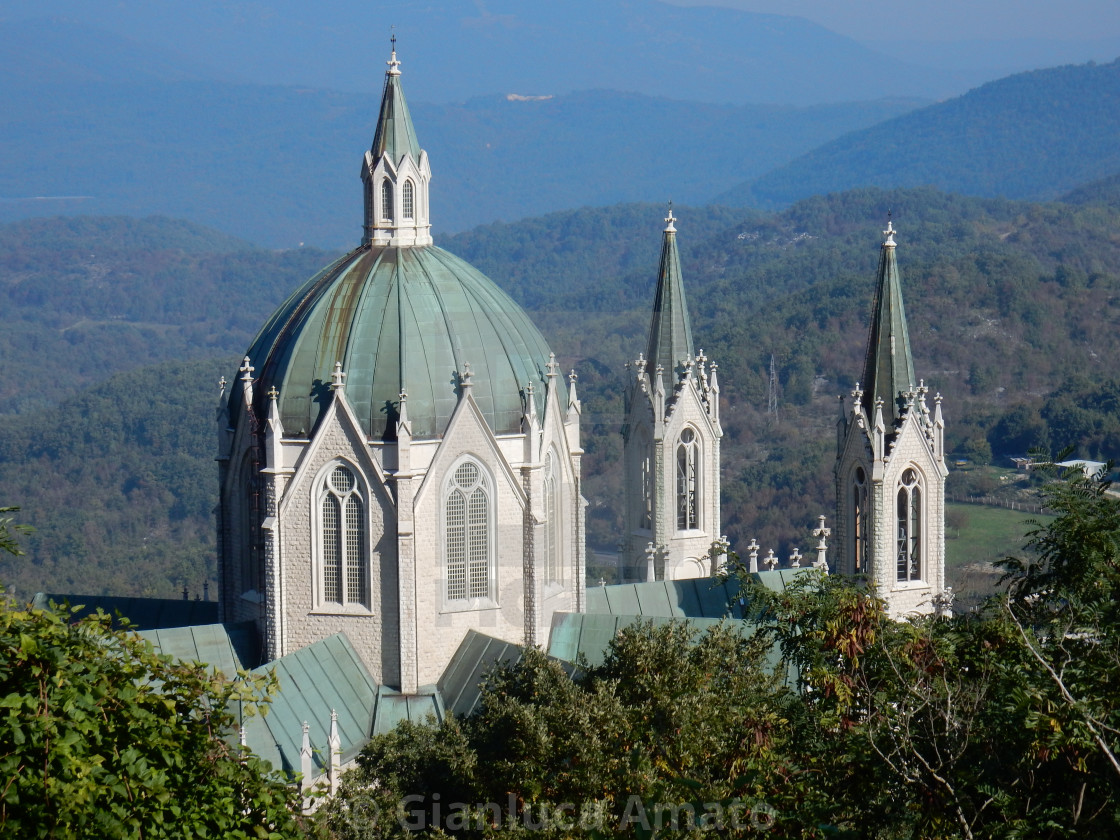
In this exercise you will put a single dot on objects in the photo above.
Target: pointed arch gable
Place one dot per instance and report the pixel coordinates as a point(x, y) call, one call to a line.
point(341, 415)
point(468, 416)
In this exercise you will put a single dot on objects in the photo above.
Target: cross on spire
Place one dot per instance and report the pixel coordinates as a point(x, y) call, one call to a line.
point(889, 232)
point(553, 366)
point(394, 65)
point(669, 228)
point(246, 370)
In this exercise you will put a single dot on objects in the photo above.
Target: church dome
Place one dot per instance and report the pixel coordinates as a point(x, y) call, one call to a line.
point(399, 319)
point(398, 314)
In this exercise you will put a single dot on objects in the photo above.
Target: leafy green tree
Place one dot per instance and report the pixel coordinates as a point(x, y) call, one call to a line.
point(102, 737)
point(671, 733)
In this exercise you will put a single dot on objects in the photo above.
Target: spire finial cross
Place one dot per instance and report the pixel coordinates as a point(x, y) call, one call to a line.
point(553, 366)
point(890, 231)
point(669, 228)
point(394, 65)
point(246, 370)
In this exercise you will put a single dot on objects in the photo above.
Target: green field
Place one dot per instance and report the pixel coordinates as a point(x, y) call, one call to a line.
point(975, 537)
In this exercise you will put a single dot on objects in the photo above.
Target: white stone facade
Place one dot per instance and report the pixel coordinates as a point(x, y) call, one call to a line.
point(409, 628)
point(665, 539)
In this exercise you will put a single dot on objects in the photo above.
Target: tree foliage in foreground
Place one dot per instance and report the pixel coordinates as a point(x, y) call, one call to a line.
point(1002, 723)
point(102, 737)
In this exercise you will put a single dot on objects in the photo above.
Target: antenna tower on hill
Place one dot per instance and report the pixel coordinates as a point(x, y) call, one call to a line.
point(772, 396)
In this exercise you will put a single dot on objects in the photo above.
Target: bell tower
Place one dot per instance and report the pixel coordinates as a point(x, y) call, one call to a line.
point(890, 465)
point(671, 441)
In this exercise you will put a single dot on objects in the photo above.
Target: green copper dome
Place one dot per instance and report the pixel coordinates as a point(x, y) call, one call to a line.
point(399, 319)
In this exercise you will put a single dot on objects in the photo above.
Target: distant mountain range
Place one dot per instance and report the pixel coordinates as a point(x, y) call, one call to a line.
point(454, 50)
point(1034, 135)
point(279, 165)
point(94, 123)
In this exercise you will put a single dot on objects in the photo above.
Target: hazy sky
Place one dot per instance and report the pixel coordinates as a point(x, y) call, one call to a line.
point(874, 20)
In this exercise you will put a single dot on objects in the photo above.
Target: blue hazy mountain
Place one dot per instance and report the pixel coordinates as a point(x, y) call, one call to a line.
point(456, 49)
point(1033, 135)
point(104, 126)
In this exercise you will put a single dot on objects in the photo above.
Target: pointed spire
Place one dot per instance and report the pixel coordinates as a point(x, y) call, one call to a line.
point(395, 136)
point(395, 172)
point(888, 372)
point(670, 332)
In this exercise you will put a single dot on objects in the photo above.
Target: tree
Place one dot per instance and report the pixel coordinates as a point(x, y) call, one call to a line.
point(673, 729)
point(102, 737)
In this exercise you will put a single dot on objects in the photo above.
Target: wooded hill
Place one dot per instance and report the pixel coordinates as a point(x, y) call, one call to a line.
point(1032, 135)
point(1010, 304)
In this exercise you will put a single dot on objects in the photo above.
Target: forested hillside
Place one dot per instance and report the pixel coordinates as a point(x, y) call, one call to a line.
point(1034, 135)
point(86, 297)
point(279, 165)
point(1011, 306)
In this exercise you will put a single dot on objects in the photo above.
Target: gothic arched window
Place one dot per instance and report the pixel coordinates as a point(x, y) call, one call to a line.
point(861, 546)
point(552, 546)
point(468, 506)
point(645, 479)
point(688, 481)
point(407, 208)
point(909, 522)
point(343, 566)
point(387, 200)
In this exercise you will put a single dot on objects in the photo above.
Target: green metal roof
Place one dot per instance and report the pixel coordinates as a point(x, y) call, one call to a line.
point(670, 332)
point(142, 613)
point(460, 684)
point(889, 368)
point(398, 319)
point(395, 135)
point(313, 681)
point(576, 635)
point(694, 598)
point(226, 648)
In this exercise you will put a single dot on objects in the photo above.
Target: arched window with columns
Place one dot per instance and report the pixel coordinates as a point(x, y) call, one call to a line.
point(343, 562)
point(387, 200)
point(468, 538)
point(908, 520)
point(408, 202)
point(861, 544)
point(688, 480)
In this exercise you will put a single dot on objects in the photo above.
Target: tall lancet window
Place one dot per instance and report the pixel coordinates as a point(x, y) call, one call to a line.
point(407, 201)
point(645, 468)
point(553, 566)
point(386, 200)
point(468, 544)
point(688, 481)
point(909, 516)
point(861, 547)
point(343, 565)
